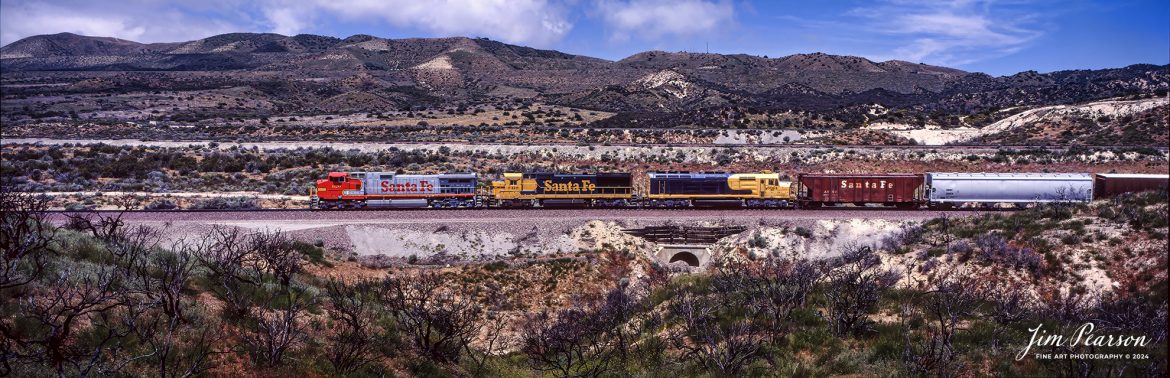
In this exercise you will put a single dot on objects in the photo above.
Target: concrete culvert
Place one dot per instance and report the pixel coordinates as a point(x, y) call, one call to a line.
point(686, 257)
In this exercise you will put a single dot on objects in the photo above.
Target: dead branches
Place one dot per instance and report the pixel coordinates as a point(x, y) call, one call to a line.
point(355, 310)
point(581, 341)
point(707, 335)
point(854, 288)
point(438, 321)
point(25, 235)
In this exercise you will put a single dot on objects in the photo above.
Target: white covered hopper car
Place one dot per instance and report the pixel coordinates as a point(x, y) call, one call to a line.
point(1019, 189)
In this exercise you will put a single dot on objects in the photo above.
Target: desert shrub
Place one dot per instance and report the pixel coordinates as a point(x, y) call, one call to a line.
point(961, 247)
point(854, 287)
point(76, 206)
point(311, 252)
point(161, 204)
point(227, 203)
point(708, 334)
point(994, 249)
point(905, 236)
point(587, 340)
point(757, 241)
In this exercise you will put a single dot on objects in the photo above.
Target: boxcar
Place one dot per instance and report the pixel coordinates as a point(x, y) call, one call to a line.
point(366, 189)
point(683, 189)
point(547, 189)
point(901, 190)
point(988, 189)
point(1111, 184)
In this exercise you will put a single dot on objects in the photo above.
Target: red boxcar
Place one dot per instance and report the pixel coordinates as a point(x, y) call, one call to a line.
point(902, 190)
point(1112, 184)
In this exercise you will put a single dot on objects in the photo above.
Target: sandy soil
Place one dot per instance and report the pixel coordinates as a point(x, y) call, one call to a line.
point(759, 136)
point(827, 238)
point(933, 135)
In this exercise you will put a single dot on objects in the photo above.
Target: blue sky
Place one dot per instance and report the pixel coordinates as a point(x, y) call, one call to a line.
point(996, 37)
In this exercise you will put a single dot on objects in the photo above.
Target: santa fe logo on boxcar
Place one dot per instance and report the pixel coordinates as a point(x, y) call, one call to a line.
point(881, 184)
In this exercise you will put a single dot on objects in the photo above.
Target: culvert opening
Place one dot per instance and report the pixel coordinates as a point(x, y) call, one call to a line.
point(686, 257)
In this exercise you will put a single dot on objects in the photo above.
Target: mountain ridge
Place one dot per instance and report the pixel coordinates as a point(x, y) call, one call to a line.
point(70, 44)
point(310, 71)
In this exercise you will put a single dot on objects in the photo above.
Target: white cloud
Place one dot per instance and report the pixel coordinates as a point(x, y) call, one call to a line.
point(141, 21)
point(530, 22)
point(533, 22)
point(287, 20)
point(951, 33)
point(651, 19)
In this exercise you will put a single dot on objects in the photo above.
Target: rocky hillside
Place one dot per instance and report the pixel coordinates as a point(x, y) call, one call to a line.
point(318, 74)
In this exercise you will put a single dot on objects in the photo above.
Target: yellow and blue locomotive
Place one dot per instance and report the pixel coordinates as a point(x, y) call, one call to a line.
point(547, 189)
point(718, 189)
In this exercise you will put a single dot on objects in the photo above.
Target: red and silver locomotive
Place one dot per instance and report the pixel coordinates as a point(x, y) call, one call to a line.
point(389, 189)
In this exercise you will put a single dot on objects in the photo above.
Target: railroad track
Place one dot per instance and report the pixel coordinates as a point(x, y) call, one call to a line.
point(538, 209)
point(794, 145)
point(280, 143)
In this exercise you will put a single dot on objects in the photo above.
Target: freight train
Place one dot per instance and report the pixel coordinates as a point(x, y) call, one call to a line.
point(935, 190)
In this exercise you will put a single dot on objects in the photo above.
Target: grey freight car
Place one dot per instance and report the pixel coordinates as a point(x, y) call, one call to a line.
point(1020, 189)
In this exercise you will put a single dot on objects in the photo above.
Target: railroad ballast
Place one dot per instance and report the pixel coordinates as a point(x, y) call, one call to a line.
point(721, 189)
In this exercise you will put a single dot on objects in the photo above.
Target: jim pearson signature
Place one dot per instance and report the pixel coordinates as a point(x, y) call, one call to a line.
point(1082, 336)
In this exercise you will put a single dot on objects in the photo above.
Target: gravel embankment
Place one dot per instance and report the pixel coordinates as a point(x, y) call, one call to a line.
point(364, 230)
